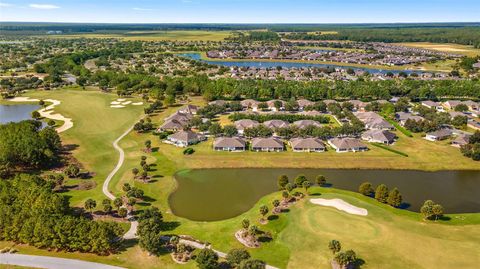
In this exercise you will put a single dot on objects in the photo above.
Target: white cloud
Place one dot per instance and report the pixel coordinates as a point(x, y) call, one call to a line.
point(43, 6)
point(143, 9)
point(5, 5)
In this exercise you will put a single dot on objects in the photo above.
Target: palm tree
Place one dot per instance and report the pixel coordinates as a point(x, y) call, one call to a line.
point(320, 180)
point(148, 145)
point(306, 185)
point(334, 246)
point(245, 224)
point(122, 212)
point(135, 172)
point(263, 211)
point(118, 203)
point(90, 204)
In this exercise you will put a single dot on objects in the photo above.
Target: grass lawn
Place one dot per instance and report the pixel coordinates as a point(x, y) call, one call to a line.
point(96, 126)
point(194, 35)
point(384, 238)
point(445, 47)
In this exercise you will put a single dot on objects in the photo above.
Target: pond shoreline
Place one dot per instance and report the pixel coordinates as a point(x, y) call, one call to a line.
point(217, 194)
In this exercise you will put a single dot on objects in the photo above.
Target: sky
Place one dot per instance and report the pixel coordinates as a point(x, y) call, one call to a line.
point(240, 11)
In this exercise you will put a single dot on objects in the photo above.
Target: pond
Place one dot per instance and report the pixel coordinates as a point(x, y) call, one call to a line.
point(272, 64)
point(16, 113)
point(217, 194)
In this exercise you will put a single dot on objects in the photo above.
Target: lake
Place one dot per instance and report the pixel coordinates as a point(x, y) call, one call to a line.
point(16, 113)
point(217, 194)
point(271, 64)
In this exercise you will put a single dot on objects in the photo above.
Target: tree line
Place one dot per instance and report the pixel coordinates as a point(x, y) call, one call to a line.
point(32, 213)
point(24, 145)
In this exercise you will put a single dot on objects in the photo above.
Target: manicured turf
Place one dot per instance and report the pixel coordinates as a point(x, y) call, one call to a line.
point(384, 239)
point(96, 126)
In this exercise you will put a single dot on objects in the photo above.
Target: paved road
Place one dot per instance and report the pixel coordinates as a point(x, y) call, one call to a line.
point(51, 262)
point(131, 233)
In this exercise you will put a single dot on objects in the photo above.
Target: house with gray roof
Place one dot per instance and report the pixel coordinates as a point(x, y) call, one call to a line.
point(229, 144)
point(302, 103)
point(271, 105)
point(438, 135)
point(347, 144)
point(461, 140)
point(189, 109)
point(307, 144)
point(243, 124)
point(185, 138)
point(379, 136)
point(301, 124)
point(249, 103)
point(267, 144)
point(402, 117)
point(218, 102)
point(374, 121)
point(432, 104)
point(171, 125)
point(272, 124)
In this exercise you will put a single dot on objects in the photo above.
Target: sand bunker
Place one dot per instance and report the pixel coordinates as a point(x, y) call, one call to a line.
point(48, 113)
point(340, 205)
point(117, 106)
point(115, 103)
point(121, 99)
point(126, 103)
point(137, 104)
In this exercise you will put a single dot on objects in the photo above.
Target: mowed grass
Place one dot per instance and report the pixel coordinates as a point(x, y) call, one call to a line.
point(448, 47)
point(193, 35)
point(95, 127)
point(386, 238)
point(422, 155)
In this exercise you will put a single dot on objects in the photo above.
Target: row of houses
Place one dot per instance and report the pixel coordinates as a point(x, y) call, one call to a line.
point(274, 144)
point(473, 107)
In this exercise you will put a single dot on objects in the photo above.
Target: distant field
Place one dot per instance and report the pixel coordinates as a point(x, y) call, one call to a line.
point(157, 35)
point(451, 48)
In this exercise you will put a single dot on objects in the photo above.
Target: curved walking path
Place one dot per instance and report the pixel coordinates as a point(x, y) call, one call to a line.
point(131, 233)
point(51, 262)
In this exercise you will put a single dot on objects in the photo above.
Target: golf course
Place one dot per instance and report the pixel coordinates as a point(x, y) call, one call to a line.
point(300, 235)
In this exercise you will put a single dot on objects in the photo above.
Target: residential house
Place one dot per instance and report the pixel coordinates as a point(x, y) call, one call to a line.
point(229, 144)
point(307, 145)
point(461, 140)
point(302, 103)
point(438, 135)
point(170, 125)
point(451, 104)
point(347, 144)
point(249, 103)
point(402, 117)
point(358, 105)
point(272, 107)
point(474, 124)
point(189, 109)
point(218, 102)
point(272, 124)
point(185, 138)
point(379, 136)
point(430, 104)
point(267, 144)
point(301, 124)
point(241, 125)
point(373, 121)
point(472, 106)
point(312, 113)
